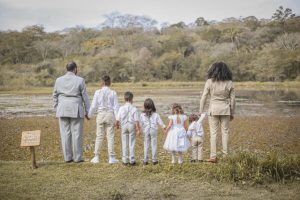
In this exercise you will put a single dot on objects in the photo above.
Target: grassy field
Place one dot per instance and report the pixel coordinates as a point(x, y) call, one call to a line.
point(264, 164)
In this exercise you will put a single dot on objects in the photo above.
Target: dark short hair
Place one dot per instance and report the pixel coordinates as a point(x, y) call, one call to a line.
point(71, 66)
point(149, 107)
point(193, 117)
point(219, 71)
point(128, 96)
point(106, 80)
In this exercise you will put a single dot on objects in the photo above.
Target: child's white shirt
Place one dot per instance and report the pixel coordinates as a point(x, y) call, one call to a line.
point(104, 99)
point(195, 128)
point(128, 114)
point(151, 122)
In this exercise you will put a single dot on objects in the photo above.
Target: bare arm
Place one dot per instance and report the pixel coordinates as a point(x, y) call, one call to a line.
point(169, 126)
point(186, 125)
point(160, 122)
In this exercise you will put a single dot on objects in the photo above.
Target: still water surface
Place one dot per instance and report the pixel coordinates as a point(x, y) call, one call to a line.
point(248, 102)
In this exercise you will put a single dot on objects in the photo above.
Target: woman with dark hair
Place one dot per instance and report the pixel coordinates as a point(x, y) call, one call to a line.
point(220, 87)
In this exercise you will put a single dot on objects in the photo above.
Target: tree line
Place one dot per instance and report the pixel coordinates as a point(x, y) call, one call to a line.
point(135, 48)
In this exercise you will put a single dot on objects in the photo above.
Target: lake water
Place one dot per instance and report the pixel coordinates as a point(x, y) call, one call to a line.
point(248, 102)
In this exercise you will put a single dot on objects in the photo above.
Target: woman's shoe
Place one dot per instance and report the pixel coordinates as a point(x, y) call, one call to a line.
point(212, 160)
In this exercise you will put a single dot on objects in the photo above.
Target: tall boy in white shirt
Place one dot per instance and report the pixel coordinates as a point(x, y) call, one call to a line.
point(128, 117)
point(105, 102)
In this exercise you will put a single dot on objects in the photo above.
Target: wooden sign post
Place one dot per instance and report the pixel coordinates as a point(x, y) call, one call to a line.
point(31, 139)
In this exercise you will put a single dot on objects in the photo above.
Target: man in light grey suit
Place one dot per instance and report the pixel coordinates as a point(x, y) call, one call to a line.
point(72, 104)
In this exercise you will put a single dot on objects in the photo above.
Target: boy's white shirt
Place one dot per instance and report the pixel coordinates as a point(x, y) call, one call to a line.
point(195, 128)
point(133, 115)
point(100, 104)
point(151, 122)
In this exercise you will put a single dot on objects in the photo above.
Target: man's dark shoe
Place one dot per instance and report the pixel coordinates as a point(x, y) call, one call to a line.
point(155, 163)
point(79, 161)
point(193, 161)
point(145, 163)
point(69, 161)
point(133, 163)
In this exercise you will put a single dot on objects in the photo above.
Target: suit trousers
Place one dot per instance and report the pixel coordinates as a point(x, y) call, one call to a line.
point(128, 142)
point(71, 132)
point(105, 123)
point(197, 146)
point(150, 138)
point(215, 122)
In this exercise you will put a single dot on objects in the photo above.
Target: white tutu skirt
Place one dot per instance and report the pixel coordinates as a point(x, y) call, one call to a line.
point(177, 140)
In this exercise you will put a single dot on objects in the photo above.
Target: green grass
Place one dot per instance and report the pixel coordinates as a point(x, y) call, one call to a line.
point(57, 180)
point(264, 164)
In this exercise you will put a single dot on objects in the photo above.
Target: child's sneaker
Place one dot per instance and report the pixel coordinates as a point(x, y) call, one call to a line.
point(113, 161)
point(173, 159)
point(95, 160)
point(180, 160)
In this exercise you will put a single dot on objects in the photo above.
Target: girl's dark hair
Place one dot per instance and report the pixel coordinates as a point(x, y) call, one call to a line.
point(193, 117)
point(149, 107)
point(177, 109)
point(219, 71)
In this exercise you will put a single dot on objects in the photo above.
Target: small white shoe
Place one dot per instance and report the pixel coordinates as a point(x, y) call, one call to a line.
point(180, 161)
point(95, 160)
point(113, 161)
point(173, 160)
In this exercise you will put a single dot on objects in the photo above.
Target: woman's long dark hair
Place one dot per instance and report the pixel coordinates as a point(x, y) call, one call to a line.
point(149, 107)
point(219, 71)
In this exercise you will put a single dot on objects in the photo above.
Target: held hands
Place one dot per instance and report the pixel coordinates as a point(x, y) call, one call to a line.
point(138, 132)
point(166, 130)
point(117, 124)
point(87, 117)
point(231, 117)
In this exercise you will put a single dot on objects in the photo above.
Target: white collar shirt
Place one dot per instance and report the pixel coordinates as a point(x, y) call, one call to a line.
point(104, 100)
point(151, 122)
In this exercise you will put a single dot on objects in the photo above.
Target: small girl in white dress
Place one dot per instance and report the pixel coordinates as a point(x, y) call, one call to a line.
point(176, 140)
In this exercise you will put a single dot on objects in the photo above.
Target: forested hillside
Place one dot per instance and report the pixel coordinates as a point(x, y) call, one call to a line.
point(136, 48)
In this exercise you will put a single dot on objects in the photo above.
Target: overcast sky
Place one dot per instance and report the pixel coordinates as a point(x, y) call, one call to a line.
point(59, 14)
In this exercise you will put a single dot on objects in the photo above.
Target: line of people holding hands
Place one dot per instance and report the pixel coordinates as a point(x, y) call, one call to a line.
point(72, 105)
point(109, 116)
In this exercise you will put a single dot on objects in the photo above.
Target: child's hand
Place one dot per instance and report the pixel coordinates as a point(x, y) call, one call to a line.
point(165, 131)
point(138, 132)
point(117, 124)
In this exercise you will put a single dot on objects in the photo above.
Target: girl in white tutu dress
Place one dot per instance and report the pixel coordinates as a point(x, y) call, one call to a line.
point(176, 140)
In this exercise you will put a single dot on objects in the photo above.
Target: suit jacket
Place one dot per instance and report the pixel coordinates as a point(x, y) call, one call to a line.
point(70, 96)
point(222, 97)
